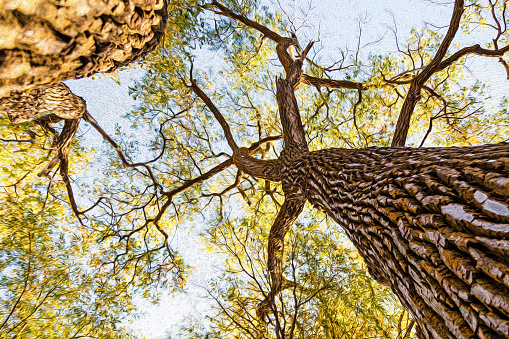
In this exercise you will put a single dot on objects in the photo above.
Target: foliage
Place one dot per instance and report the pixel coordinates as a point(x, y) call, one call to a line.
point(328, 294)
point(188, 142)
point(53, 283)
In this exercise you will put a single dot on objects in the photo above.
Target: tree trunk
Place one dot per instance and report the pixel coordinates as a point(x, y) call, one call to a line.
point(430, 223)
point(47, 41)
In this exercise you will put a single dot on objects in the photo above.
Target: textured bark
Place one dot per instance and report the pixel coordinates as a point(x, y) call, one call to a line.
point(430, 223)
point(57, 99)
point(45, 41)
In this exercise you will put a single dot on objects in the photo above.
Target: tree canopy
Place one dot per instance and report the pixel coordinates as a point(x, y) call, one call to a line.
point(220, 142)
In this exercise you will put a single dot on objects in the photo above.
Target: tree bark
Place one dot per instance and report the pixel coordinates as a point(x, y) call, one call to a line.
point(45, 42)
point(56, 99)
point(430, 223)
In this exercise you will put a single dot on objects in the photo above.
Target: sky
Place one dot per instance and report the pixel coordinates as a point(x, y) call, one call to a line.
point(335, 23)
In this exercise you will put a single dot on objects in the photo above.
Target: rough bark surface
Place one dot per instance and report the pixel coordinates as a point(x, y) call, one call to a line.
point(430, 223)
point(45, 41)
point(56, 99)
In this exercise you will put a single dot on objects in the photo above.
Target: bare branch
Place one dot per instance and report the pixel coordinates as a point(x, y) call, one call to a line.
point(219, 117)
point(476, 50)
point(88, 118)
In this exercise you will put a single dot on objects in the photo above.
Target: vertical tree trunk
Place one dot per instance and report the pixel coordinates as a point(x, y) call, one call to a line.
point(47, 41)
point(430, 223)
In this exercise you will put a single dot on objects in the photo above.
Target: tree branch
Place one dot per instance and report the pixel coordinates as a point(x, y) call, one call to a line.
point(88, 118)
point(330, 83)
point(293, 130)
point(475, 49)
point(207, 175)
point(414, 93)
point(57, 99)
point(287, 215)
point(250, 23)
point(219, 117)
point(25, 282)
point(242, 157)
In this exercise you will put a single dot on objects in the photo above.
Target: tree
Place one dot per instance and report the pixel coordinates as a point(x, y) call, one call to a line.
point(46, 42)
point(430, 223)
point(47, 289)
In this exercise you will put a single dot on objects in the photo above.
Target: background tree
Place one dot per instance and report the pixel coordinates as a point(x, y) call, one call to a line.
point(55, 279)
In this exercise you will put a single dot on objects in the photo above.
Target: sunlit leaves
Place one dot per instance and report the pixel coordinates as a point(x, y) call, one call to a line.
point(52, 282)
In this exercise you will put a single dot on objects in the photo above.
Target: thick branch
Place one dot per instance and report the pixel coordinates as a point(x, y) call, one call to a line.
point(293, 130)
point(67, 135)
point(242, 157)
point(475, 49)
point(193, 182)
point(57, 99)
point(330, 83)
point(414, 93)
point(262, 169)
point(287, 215)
